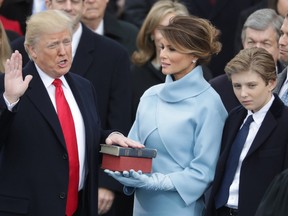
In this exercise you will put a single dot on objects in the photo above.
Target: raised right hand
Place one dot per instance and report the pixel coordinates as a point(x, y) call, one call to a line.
point(14, 84)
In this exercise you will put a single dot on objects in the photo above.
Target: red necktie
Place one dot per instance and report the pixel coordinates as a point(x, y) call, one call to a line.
point(68, 128)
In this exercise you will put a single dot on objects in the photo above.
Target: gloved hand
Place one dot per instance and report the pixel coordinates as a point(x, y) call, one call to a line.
point(155, 181)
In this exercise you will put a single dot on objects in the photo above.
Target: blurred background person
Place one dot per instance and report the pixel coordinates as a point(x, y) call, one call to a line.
point(280, 6)
point(222, 13)
point(282, 80)
point(10, 24)
point(261, 29)
point(283, 42)
point(96, 17)
point(5, 49)
point(18, 10)
point(274, 202)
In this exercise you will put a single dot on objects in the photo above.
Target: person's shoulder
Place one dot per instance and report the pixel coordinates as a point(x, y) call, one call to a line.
point(18, 43)
point(98, 40)
point(219, 80)
point(153, 90)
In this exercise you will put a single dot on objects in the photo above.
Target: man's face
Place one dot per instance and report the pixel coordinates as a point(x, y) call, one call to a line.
point(283, 42)
point(73, 7)
point(94, 9)
point(266, 39)
point(53, 53)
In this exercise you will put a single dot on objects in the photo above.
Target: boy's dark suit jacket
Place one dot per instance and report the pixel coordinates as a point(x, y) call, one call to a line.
point(266, 158)
point(34, 167)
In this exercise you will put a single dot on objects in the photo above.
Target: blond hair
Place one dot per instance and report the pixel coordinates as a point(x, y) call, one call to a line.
point(253, 59)
point(48, 21)
point(145, 45)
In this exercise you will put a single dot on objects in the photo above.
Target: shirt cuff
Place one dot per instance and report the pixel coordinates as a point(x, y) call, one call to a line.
point(9, 105)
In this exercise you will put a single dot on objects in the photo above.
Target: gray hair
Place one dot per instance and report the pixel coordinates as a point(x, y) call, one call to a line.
point(262, 19)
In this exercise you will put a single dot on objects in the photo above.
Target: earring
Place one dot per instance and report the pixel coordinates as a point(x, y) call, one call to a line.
point(194, 61)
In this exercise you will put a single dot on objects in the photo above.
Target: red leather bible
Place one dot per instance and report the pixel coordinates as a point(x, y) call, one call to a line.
point(121, 163)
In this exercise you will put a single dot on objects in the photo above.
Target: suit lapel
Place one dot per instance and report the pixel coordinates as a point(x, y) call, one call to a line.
point(84, 54)
point(268, 125)
point(39, 97)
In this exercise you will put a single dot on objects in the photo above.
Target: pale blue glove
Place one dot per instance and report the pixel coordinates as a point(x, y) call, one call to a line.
point(155, 181)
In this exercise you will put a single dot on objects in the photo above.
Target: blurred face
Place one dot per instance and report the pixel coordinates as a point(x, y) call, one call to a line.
point(251, 90)
point(72, 7)
point(94, 9)
point(266, 39)
point(282, 7)
point(164, 22)
point(283, 42)
point(173, 62)
point(53, 53)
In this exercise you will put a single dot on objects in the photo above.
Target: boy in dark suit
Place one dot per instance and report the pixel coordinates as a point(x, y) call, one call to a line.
point(237, 190)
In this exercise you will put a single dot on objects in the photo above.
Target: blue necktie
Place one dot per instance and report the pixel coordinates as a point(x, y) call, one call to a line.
point(284, 98)
point(232, 163)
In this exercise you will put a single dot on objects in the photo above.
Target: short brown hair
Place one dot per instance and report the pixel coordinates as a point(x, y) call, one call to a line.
point(253, 59)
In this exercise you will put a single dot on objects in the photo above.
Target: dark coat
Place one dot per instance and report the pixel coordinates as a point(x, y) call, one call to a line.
point(121, 31)
point(224, 88)
point(107, 65)
point(34, 167)
point(266, 157)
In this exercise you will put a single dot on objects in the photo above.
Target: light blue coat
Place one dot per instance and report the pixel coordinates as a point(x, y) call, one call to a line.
point(183, 120)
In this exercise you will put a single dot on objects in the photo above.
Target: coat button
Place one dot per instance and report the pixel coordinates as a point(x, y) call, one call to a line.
point(62, 195)
point(65, 156)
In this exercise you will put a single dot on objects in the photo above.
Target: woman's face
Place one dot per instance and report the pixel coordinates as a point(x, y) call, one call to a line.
point(251, 90)
point(174, 62)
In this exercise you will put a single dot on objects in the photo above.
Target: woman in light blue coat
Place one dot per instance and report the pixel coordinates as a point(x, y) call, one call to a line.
point(183, 119)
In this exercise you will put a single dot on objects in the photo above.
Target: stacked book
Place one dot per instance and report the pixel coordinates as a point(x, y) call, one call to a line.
point(117, 158)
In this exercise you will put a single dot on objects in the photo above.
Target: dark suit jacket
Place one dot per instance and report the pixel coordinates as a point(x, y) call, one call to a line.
point(223, 87)
point(266, 157)
point(107, 65)
point(280, 80)
point(123, 32)
point(34, 169)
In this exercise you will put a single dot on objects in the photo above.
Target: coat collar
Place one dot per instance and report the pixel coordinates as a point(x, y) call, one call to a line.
point(190, 85)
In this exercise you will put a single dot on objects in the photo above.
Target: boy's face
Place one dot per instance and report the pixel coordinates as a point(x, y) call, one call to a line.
point(251, 90)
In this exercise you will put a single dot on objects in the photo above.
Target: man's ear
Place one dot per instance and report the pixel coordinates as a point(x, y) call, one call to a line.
point(31, 51)
point(48, 4)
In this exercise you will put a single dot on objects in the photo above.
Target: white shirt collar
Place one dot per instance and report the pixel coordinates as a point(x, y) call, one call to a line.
point(100, 29)
point(47, 80)
point(259, 115)
point(76, 38)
